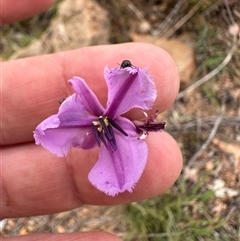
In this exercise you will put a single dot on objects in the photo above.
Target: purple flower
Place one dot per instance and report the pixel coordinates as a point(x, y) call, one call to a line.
point(84, 123)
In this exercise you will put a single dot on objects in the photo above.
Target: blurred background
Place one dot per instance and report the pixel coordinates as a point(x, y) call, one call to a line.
point(203, 37)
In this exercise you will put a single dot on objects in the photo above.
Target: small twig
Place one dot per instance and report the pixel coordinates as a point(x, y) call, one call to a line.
point(207, 142)
point(171, 31)
point(211, 74)
point(167, 21)
point(209, 120)
point(236, 13)
point(136, 11)
point(232, 210)
point(213, 7)
point(230, 15)
point(207, 123)
point(161, 235)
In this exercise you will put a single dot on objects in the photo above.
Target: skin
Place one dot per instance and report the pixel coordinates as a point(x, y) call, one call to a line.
point(12, 11)
point(34, 181)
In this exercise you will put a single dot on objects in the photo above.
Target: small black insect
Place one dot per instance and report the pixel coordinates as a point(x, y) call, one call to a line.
point(125, 64)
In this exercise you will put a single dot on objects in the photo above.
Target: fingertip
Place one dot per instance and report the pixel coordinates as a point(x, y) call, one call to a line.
point(12, 10)
point(167, 154)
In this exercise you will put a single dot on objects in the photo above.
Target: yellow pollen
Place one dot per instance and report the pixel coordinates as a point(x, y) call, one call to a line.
point(106, 121)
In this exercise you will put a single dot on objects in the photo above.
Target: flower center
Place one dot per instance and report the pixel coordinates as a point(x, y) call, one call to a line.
point(103, 131)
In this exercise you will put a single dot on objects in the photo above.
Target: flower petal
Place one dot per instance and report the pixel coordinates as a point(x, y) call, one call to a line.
point(73, 113)
point(128, 88)
point(69, 128)
point(89, 99)
point(60, 140)
point(118, 171)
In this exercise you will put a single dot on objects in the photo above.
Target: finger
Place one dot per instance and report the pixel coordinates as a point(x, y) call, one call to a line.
point(32, 87)
point(84, 236)
point(12, 10)
point(36, 182)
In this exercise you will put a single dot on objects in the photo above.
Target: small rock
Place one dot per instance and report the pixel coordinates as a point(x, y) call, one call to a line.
point(221, 191)
point(23, 231)
point(209, 166)
point(234, 30)
point(3, 223)
point(144, 27)
point(79, 23)
point(61, 229)
point(191, 174)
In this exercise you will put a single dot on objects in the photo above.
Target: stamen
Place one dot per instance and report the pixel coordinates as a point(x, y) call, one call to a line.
point(105, 126)
point(103, 132)
point(116, 126)
point(96, 134)
point(113, 140)
point(101, 137)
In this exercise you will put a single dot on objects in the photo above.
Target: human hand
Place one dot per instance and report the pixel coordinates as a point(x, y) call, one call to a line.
point(36, 182)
